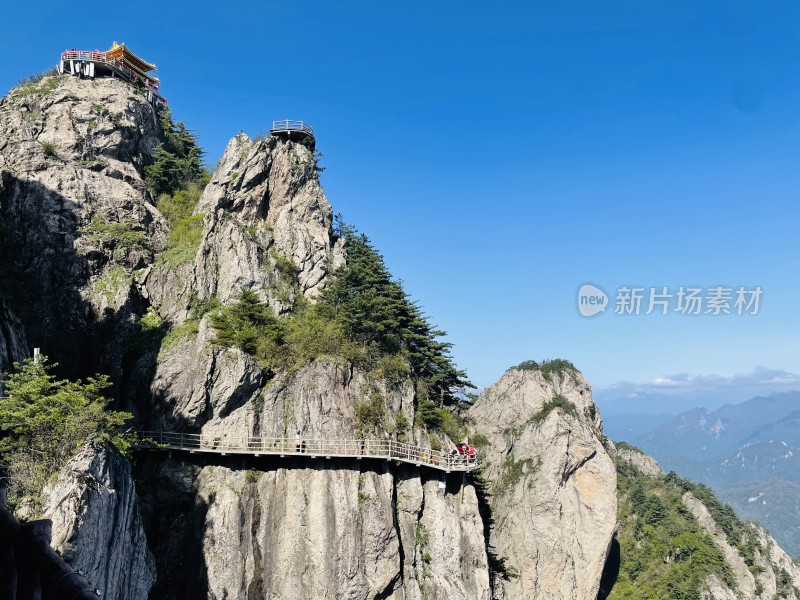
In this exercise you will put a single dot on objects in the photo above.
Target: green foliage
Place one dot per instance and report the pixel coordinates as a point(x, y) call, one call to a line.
point(307, 334)
point(180, 205)
point(550, 369)
point(512, 472)
point(177, 162)
point(664, 552)
point(148, 334)
point(316, 157)
point(251, 476)
point(183, 241)
point(557, 402)
point(376, 313)
point(37, 83)
point(738, 533)
point(186, 228)
point(45, 421)
point(284, 265)
point(50, 149)
point(437, 418)
point(93, 163)
point(369, 413)
point(35, 78)
point(187, 329)
point(421, 536)
point(152, 332)
point(112, 282)
point(250, 325)
point(121, 234)
point(480, 441)
point(401, 424)
point(362, 318)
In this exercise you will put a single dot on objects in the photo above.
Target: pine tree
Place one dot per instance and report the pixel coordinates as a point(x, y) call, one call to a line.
point(177, 162)
point(377, 313)
point(44, 422)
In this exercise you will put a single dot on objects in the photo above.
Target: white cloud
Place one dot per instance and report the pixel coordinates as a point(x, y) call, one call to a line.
point(680, 390)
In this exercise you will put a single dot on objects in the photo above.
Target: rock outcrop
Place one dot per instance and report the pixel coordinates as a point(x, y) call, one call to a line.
point(97, 525)
point(635, 457)
point(267, 221)
point(553, 485)
point(76, 218)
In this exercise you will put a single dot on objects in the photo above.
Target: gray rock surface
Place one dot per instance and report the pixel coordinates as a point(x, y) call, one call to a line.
point(315, 528)
point(75, 214)
point(553, 484)
point(264, 210)
point(97, 526)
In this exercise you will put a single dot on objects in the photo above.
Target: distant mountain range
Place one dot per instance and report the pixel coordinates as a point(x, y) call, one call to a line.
point(748, 452)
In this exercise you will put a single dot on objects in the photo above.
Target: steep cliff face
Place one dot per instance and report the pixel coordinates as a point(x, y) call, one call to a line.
point(267, 228)
point(97, 525)
point(552, 483)
point(76, 221)
point(323, 529)
point(264, 211)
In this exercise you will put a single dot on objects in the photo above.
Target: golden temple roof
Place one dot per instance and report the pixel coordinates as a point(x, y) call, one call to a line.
point(141, 66)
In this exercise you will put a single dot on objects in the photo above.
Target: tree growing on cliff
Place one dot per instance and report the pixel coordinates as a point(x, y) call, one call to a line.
point(177, 162)
point(44, 421)
point(377, 313)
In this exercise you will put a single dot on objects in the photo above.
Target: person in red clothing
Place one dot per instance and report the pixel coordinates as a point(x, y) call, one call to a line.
point(472, 455)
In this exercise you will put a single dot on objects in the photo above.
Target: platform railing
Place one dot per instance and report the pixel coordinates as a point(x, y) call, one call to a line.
point(311, 447)
point(289, 125)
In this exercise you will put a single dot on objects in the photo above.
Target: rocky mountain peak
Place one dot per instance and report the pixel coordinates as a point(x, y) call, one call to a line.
point(553, 483)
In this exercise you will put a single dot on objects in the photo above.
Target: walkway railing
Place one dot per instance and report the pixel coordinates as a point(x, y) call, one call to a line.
point(308, 447)
point(288, 125)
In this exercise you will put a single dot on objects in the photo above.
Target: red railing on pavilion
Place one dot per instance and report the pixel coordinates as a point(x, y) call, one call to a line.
point(104, 58)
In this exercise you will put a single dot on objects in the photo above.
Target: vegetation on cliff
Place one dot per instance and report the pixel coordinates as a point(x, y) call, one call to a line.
point(664, 551)
point(177, 162)
point(177, 178)
point(363, 317)
point(44, 421)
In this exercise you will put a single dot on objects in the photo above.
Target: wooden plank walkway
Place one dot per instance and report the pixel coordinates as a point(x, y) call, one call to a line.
point(389, 450)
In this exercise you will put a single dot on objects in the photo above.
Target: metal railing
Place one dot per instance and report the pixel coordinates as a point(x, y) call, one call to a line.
point(288, 125)
point(102, 57)
point(310, 447)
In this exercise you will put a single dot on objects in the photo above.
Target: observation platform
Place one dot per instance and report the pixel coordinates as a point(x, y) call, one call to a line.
point(388, 450)
point(294, 130)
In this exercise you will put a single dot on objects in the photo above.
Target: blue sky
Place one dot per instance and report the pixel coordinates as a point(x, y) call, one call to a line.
point(502, 155)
